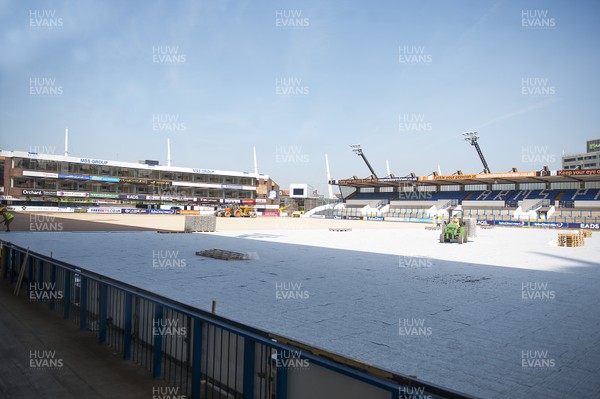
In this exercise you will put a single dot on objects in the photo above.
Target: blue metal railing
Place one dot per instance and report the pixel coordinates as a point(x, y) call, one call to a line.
point(204, 355)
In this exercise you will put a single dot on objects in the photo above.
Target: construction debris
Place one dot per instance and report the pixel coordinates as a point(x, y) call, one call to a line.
point(224, 255)
point(571, 239)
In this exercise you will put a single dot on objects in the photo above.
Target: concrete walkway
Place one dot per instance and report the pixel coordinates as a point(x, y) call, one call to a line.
point(71, 362)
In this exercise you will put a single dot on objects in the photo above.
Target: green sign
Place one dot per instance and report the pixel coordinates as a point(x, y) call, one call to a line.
point(101, 195)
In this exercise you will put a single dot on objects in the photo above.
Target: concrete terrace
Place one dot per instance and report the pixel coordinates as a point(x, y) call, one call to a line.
point(87, 370)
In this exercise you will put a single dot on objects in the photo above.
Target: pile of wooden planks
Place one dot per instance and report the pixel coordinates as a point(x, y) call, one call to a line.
point(570, 239)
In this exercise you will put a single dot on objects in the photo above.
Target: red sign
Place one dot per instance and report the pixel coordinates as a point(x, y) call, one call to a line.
point(270, 213)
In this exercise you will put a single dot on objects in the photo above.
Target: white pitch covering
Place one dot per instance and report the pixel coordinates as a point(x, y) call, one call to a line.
point(353, 297)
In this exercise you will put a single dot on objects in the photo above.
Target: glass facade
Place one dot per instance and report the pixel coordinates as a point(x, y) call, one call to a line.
point(162, 187)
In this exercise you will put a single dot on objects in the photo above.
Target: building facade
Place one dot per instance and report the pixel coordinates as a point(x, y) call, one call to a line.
point(30, 178)
point(587, 160)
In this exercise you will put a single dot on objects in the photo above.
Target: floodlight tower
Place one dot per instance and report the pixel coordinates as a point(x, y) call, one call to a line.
point(358, 151)
point(472, 138)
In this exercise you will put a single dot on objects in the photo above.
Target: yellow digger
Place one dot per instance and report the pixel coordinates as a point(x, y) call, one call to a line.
point(243, 211)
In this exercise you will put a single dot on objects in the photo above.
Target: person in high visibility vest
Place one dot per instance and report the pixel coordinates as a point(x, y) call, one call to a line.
point(8, 218)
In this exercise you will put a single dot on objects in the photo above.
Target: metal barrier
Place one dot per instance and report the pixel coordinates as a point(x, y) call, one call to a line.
point(202, 354)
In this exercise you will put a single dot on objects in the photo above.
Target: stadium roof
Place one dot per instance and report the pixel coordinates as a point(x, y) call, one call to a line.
point(104, 162)
point(550, 176)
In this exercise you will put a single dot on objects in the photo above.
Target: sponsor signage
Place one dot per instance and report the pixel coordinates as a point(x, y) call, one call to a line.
point(208, 200)
point(232, 186)
point(40, 174)
point(93, 161)
point(160, 211)
point(133, 196)
point(72, 194)
point(354, 181)
point(354, 217)
point(130, 210)
point(204, 171)
point(50, 193)
point(548, 224)
point(79, 200)
point(105, 178)
point(31, 192)
point(556, 225)
point(379, 218)
point(104, 210)
point(133, 180)
point(160, 182)
point(273, 194)
point(393, 179)
point(72, 176)
point(509, 223)
point(189, 212)
point(261, 201)
point(247, 202)
point(584, 172)
point(317, 216)
point(367, 181)
point(505, 175)
point(230, 201)
point(455, 177)
point(270, 213)
point(102, 195)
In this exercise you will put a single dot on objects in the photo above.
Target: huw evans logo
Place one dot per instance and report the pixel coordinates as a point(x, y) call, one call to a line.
point(44, 19)
point(291, 19)
point(414, 262)
point(290, 290)
point(167, 123)
point(414, 195)
point(44, 292)
point(290, 87)
point(412, 393)
point(44, 87)
point(413, 55)
point(167, 259)
point(537, 19)
point(413, 123)
point(537, 87)
point(167, 393)
point(42, 149)
point(167, 55)
point(536, 359)
point(536, 290)
point(44, 359)
point(291, 359)
point(536, 154)
point(290, 154)
point(414, 327)
point(161, 327)
point(44, 223)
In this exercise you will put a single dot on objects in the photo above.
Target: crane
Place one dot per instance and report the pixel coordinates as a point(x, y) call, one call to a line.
point(358, 151)
point(472, 138)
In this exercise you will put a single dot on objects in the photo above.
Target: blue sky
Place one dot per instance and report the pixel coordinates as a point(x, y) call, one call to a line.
point(402, 78)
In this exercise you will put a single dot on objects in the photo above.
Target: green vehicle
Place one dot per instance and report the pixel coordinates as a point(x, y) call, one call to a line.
point(454, 231)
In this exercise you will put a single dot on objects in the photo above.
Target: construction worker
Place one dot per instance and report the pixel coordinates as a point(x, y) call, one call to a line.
point(8, 218)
